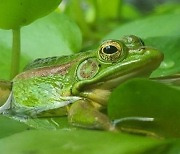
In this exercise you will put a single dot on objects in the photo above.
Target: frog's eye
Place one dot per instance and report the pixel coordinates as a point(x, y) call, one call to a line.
point(110, 51)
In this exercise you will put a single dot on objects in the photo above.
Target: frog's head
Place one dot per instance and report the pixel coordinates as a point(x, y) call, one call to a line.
point(114, 62)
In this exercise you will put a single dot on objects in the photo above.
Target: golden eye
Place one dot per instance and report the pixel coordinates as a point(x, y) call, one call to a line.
point(110, 51)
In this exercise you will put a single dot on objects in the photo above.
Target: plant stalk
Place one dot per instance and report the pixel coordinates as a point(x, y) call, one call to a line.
point(15, 60)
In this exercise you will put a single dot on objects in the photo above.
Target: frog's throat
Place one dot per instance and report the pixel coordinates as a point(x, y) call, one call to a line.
point(100, 90)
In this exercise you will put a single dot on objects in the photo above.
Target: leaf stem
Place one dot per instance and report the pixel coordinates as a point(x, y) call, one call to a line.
point(15, 60)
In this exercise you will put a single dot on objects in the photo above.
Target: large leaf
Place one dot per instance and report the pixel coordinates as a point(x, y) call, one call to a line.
point(5, 60)
point(17, 13)
point(12, 125)
point(170, 147)
point(161, 32)
point(170, 46)
point(140, 98)
point(53, 35)
point(9, 126)
point(149, 27)
point(80, 141)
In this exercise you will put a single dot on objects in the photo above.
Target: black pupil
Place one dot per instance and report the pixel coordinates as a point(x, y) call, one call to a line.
point(110, 49)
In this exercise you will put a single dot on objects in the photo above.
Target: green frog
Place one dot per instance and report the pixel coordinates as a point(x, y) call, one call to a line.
point(79, 85)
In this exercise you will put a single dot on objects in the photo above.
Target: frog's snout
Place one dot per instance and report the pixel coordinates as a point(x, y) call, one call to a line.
point(153, 57)
point(153, 53)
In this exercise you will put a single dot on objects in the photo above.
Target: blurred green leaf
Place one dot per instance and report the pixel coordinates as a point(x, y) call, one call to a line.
point(171, 146)
point(129, 12)
point(9, 126)
point(108, 9)
point(167, 8)
point(82, 9)
point(12, 125)
point(5, 61)
point(17, 13)
point(149, 27)
point(81, 141)
point(149, 99)
point(170, 46)
point(53, 35)
point(161, 32)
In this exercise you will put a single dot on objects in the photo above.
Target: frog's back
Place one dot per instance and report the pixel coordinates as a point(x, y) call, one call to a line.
point(47, 62)
point(57, 60)
point(45, 84)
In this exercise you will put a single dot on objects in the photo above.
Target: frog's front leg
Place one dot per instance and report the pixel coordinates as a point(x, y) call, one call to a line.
point(82, 113)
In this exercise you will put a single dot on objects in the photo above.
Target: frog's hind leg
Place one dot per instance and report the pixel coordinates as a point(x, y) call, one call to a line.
point(82, 113)
point(6, 105)
point(5, 95)
point(5, 89)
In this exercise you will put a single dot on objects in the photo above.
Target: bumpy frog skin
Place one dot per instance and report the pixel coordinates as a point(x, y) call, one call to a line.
point(79, 85)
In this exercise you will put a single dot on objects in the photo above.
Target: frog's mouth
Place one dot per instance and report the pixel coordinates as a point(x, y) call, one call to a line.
point(100, 88)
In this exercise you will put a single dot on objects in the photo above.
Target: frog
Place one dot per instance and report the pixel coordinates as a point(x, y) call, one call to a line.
point(78, 86)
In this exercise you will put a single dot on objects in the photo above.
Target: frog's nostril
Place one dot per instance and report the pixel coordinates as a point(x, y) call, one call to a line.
point(142, 42)
point(140, 51)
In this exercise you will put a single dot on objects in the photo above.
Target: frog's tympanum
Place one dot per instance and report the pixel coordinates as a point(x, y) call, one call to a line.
point(79, 85)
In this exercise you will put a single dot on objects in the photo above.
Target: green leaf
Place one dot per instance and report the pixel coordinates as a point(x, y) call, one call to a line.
point(12, 125)
point(75, 142)
point(53, 35)
point(167, 8)
point(149, 27)
point(9, 126)
point(147, 99)
point(130, 12)
point(17, 13)
point(170, 46)
point(170, 147)
point(161, 32)
point(108, 9)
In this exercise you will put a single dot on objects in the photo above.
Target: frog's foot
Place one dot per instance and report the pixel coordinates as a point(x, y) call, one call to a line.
point(82, 113)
